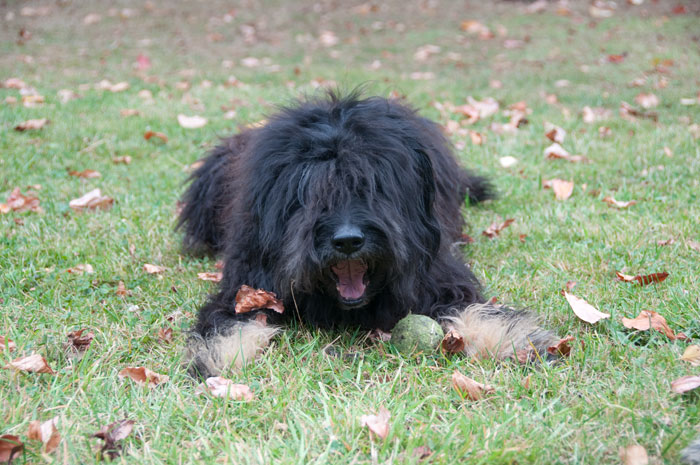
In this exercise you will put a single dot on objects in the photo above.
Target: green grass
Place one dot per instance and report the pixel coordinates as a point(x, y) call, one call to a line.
point(611, 393)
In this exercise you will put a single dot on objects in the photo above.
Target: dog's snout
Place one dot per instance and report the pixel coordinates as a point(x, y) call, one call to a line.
point(348, 239)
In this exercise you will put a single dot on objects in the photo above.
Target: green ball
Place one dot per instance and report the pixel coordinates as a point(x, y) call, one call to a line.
point(416, 333)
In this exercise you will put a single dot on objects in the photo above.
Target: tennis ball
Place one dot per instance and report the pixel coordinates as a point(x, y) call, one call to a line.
point(416, 333)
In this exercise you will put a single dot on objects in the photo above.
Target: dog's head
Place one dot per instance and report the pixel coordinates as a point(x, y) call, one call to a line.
point(344, 200)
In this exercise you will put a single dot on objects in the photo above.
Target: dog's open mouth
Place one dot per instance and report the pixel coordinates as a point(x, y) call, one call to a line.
point(351, 280)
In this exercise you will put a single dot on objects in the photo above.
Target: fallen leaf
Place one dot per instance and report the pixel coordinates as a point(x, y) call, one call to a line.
point(591, 115)
point(507, 161)
point(32, 101)
point(556, 151)
point(153, 269)
point(685, 384)
point(7, 343)
point(10, 448)
point(554, 133)
point(248, 299)
point(375, 335)
point(46, 432)
point(486, 107)
point(79, 342)
point(628, 112)
point(32, 124)
point(647, 100)
point(209, 276)
point(377, 424)
point(328, 38)
point(692, 355)
point(93, 200)
point(191, 122)
point(421, 452)
point(643, 280)
point(148, 135)
point(14, 83)
point(562, 189)
point(91, 18)
point(80, 269)
point(225, 389)
point(125, 159)
point(634, 455)
point(648, 319)
point(617, 57)
point(122, 291)
point(570, 285)
point(17, 202)
point(693, 245)
point(665, 242)
point(112, 433)
point(143, 376)
point(467, 387)
point(34, 363)
point(617, 203)
point(495, 228)
point(126, 112)
point(142, 62)
point(453, 342)
point(87, 174)
point(165, 335)
point(477, 138)
point(118, 87)
point(561, 347)
point(584, 310)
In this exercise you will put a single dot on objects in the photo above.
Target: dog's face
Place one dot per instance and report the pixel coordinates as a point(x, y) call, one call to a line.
point(350, 210)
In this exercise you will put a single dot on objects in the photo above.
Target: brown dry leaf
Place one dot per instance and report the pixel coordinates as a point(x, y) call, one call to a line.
point(570, 285)
point(554, 133)
point(191, 122)
point(665, 242)
point(107, 85)
point(467, 387)
point(165, 335)
point(495, 228)
point(32, 124)
point(562, 347)
point(10, 448)
point(93, 200)
point(225, 389)
point(476, 28)
point(34, 363)
point(143, 376)
point(126, 112)
point(628, 112)
point(377, 424)
point(216, 276)
point(153, 269)
point(375, 335)
point(148, 135)
point(646, 100)
point(562, 189)
point(648, 319)
point(7, 342)
point(453, 342)
point(248, 299)
point(693, 245)
point(79, 342)
point(87, 174)
point(634, 455)
point(591, 115)
point(584, 310)
point(80, 269)
point(692, 355)
point(685, 384)
point(122, 291)
point(46, 432)
point(14, 83)
point(112, 433)
point(617, 203)
point(486, 107)
point(556, 151)
point(642, 280)
point(125, 159)
point(18, 202)
point(422, 452)
point(32, 101)
point(477, 138)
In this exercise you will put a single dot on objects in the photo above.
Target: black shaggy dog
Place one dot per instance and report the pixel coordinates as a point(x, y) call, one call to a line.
point(346, 208)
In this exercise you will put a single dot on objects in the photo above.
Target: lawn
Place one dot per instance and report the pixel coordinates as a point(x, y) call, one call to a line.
point(233, 64)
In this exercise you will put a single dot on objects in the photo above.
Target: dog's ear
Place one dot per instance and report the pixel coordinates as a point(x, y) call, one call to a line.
point(427, 202)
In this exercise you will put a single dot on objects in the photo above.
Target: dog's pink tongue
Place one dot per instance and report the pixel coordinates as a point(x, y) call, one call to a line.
point(350, 275)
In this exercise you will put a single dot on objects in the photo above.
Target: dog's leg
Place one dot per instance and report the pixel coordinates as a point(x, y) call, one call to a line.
point(492, 331)
point(233, 346)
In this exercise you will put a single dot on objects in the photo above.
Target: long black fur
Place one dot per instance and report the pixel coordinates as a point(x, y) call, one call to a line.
point(269, 200)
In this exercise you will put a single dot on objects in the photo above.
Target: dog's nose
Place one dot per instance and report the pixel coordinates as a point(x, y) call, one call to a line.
point(348, 239)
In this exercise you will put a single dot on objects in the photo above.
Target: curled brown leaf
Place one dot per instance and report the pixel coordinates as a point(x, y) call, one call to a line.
point(248, 299)
point(467, 387)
